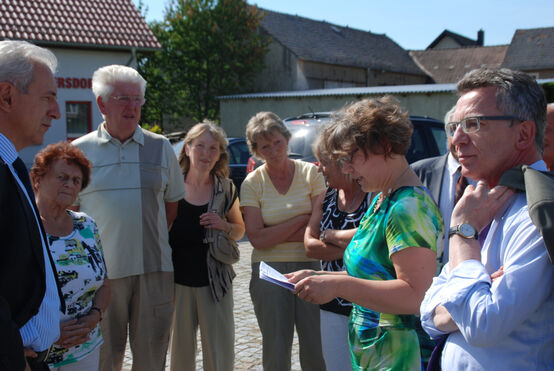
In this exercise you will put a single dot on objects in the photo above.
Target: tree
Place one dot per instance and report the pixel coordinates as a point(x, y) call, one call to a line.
point(209, 48)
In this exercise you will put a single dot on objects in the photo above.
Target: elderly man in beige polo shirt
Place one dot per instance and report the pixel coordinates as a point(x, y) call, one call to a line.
point(135, 184)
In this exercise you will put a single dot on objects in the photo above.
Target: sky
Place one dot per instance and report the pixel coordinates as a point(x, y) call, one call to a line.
point(413, 24)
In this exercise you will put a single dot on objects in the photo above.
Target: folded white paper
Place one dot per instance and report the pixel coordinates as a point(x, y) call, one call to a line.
point(270, 274)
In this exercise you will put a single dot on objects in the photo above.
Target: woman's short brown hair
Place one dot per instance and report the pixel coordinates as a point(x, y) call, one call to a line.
point(60, 151)
point(264, 124)
point(221, 167)
point(375, 125)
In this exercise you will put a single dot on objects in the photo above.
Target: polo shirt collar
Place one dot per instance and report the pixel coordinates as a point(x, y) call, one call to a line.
point(105, 137)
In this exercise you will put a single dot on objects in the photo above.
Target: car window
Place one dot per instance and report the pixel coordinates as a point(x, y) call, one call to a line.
point(440, 138)
point(300, 143)
point(417, 149)
point(238, 153)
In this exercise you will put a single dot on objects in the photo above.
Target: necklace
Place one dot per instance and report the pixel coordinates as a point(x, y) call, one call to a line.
point(383, 195)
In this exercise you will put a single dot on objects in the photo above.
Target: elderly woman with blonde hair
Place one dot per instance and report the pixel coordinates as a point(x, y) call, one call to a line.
point(203, 249)
point(391, 259)
point(277, 201)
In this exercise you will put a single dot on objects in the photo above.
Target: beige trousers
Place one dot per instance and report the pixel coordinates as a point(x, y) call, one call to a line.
point(144, 303)
point(194, 307)
point(278, 312)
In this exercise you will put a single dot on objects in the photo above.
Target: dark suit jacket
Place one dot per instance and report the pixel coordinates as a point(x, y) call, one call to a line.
point(430, 171)
point(22, 274)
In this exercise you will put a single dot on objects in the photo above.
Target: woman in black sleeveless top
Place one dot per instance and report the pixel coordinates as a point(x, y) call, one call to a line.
point(203, 284)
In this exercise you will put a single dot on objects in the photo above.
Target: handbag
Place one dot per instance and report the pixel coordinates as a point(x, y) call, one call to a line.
point(222, 247)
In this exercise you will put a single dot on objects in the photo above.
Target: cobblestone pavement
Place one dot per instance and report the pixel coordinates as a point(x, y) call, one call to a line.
point(248, 339)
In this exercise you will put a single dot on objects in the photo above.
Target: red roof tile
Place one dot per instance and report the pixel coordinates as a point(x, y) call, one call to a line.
point(97, 23)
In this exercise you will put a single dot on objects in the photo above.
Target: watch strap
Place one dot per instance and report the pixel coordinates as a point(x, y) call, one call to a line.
point(457, 230)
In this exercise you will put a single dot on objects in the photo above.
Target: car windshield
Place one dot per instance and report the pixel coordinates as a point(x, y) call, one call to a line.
point(302, 137)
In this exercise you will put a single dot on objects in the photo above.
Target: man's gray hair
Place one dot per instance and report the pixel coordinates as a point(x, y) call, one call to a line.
point(105, 78)
point(518, 94)
point(448, 115)
point(18, 59)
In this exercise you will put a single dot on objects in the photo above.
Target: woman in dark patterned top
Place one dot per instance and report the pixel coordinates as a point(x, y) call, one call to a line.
point(335, 218)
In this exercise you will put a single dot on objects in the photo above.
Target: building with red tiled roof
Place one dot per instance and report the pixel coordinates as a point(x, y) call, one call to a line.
point(84, 35)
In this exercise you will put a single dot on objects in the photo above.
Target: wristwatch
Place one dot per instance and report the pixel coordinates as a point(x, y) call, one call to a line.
point(465, 230)
point(322, 235)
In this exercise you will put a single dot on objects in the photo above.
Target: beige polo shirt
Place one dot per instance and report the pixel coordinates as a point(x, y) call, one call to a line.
point(129, 184)
point(257, 190)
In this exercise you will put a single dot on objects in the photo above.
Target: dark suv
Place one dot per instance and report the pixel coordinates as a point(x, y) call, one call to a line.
point(428, 139)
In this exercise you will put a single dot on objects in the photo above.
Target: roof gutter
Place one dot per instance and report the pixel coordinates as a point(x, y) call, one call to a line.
point(88, 46)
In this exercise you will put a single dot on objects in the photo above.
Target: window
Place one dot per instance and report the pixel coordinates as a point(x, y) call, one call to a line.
point(78, 119)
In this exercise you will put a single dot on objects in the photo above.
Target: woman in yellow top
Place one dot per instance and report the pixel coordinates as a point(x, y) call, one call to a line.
point(277, 202)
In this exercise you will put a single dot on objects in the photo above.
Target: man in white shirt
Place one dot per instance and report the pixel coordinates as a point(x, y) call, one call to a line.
point(135, 185)
point(507, 324)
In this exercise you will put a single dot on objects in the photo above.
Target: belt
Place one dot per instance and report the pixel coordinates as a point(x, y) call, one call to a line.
point(36, 363)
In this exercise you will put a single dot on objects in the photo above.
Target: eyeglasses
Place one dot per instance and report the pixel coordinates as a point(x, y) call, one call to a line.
point(124, 100)
point(347, 159)
point(473, 124)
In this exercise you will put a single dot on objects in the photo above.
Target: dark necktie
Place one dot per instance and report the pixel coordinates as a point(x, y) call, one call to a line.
point(461, 185)
point(23, 175)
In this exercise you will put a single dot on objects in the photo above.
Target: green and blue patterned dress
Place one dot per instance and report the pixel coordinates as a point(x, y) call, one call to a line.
point(408, 217)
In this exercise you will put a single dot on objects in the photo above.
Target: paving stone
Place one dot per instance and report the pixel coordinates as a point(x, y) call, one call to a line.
point(248, 339)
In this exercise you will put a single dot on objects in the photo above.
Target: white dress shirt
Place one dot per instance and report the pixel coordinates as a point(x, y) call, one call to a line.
point(450, 177)
point(508, 324)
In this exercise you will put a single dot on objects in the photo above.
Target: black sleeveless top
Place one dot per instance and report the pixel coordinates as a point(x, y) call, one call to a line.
point(188, 250)
point(334, 218)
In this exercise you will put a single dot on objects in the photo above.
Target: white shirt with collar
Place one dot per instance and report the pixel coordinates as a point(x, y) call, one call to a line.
point(507, 324)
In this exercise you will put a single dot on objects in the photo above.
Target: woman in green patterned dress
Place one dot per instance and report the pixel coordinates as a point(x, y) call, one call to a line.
point(391, 260)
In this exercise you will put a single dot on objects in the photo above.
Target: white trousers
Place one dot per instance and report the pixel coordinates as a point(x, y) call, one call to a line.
point(334, 341)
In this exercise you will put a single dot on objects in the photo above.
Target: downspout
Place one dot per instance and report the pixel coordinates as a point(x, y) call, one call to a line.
point(132, 62)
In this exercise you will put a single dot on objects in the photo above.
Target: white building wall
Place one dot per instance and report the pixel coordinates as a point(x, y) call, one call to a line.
point(75, 64)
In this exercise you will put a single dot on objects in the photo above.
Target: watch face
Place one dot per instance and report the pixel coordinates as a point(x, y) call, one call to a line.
point(467, 230)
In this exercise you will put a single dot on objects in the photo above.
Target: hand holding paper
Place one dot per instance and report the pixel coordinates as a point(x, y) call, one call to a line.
point(270, 274)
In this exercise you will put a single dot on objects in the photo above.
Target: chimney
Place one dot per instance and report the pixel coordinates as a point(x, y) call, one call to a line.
point(480, 37)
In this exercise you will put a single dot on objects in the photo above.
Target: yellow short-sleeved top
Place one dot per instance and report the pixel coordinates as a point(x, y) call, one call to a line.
point(257, 190)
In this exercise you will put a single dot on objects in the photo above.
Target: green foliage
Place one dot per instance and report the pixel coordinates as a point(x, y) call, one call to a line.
point(209, 48)
point(153, 128)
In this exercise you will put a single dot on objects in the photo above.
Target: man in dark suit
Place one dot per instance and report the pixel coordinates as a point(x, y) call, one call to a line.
point(440, 175)
point(30, 300)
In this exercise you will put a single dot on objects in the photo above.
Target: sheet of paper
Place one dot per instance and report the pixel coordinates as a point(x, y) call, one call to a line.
point(271, 275)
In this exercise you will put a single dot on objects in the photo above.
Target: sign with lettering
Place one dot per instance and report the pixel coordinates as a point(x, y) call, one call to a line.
point(74, 83)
